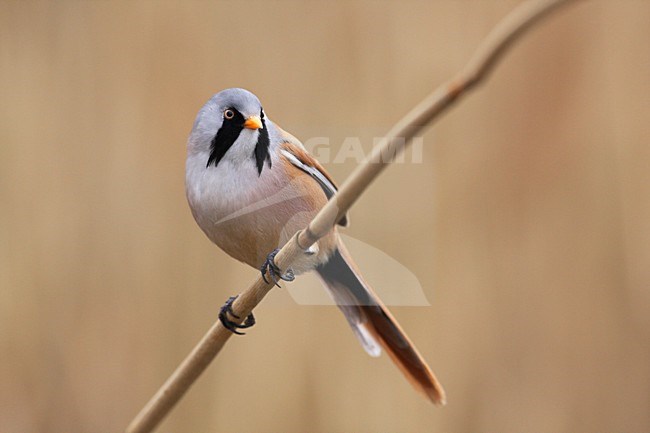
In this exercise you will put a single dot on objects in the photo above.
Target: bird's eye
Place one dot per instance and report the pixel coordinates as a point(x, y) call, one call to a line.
point(229, 114)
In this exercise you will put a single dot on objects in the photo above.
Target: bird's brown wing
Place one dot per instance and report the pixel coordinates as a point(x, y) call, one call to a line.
point(296, 154)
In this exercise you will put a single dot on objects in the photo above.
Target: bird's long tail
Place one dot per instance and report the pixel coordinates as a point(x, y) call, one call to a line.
point(374, 325)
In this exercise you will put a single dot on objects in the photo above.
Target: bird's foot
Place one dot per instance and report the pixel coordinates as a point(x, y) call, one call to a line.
point(229, 324)
point(274, 271)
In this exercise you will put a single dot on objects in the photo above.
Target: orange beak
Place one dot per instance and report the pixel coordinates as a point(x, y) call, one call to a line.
point(253, 122)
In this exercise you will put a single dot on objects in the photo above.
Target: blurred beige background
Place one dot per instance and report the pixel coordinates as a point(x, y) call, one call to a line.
point(527, 223)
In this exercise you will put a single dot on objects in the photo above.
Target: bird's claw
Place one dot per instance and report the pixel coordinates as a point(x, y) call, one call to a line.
point(229, 324)
point(274, 271)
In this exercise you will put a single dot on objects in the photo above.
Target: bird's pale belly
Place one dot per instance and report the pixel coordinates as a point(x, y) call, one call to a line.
point(250, 232)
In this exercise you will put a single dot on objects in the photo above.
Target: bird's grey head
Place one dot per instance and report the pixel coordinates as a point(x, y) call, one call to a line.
point(231, 125)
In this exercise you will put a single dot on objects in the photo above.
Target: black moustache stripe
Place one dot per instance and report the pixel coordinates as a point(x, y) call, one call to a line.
point(228, 134)
point(261, 152)
point(225, 138)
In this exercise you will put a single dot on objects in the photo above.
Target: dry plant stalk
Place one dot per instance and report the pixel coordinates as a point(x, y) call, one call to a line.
point(480, 64)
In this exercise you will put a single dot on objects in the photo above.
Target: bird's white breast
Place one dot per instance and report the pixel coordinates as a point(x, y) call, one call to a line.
point(218, 193)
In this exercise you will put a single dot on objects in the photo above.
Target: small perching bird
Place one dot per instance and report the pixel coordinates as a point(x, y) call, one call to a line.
point(251, 186)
